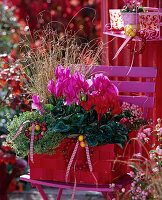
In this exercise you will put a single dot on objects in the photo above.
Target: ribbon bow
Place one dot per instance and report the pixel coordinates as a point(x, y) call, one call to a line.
point(73, 156)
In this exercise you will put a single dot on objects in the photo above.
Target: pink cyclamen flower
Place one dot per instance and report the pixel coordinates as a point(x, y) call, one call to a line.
point(102, 84)
point(36, 103)
point(71, 91)
point(81, 83)
point(62, 73)
point(51, 87)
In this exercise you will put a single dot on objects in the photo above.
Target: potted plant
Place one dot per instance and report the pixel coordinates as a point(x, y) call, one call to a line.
point(130, 12)
point(81, 120)
point(77, 127)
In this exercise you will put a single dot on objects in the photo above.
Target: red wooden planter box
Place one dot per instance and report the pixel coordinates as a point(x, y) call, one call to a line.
point(106, 162)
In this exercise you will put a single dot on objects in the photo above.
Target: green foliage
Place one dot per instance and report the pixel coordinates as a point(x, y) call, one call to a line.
point(8, 27)
point(64, 121)
point(21, 144)
point(127, 9)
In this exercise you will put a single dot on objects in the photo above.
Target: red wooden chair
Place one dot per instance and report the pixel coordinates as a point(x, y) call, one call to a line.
point(139, 92)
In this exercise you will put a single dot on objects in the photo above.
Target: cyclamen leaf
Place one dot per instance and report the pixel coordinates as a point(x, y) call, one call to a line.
point(61, 127)
point(77, 119)
point(107, 131)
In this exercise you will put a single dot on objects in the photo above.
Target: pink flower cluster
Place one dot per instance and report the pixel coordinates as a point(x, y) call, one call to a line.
point(68, 85)
point(136, 114)
point(100, 91)
point(136, 189)
point(143, 134)
point(135, 110)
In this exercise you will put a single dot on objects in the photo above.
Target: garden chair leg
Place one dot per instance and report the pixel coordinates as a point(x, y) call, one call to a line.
point(42, 193)
point(59, 194)
point(108, 195)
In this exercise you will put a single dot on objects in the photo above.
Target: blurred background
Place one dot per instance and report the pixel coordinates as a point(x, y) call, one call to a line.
point(20, 21)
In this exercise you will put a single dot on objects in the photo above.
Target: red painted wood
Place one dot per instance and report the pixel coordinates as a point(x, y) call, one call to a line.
point(151, 57)
point(125, 71)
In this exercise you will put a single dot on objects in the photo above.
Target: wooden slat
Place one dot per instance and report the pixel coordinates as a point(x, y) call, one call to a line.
point(124, 71)
point(134, 86)
point(141, 101)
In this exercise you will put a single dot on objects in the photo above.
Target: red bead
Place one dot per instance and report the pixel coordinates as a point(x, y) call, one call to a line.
point(35, 137)
point(36, 123)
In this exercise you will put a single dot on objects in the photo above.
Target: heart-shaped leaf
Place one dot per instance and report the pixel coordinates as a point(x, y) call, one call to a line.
point(61, 127)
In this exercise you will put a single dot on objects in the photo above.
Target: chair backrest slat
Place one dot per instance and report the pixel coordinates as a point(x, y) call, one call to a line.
point(125, 71)
point(143, 84)
point(141, 101)
point(134, 86)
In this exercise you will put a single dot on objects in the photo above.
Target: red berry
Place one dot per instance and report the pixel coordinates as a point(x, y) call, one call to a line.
point(40, 137)
point(44, 129)
point(42, 133)
point(35, 137)
point(26, 131)
point(27, 135)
